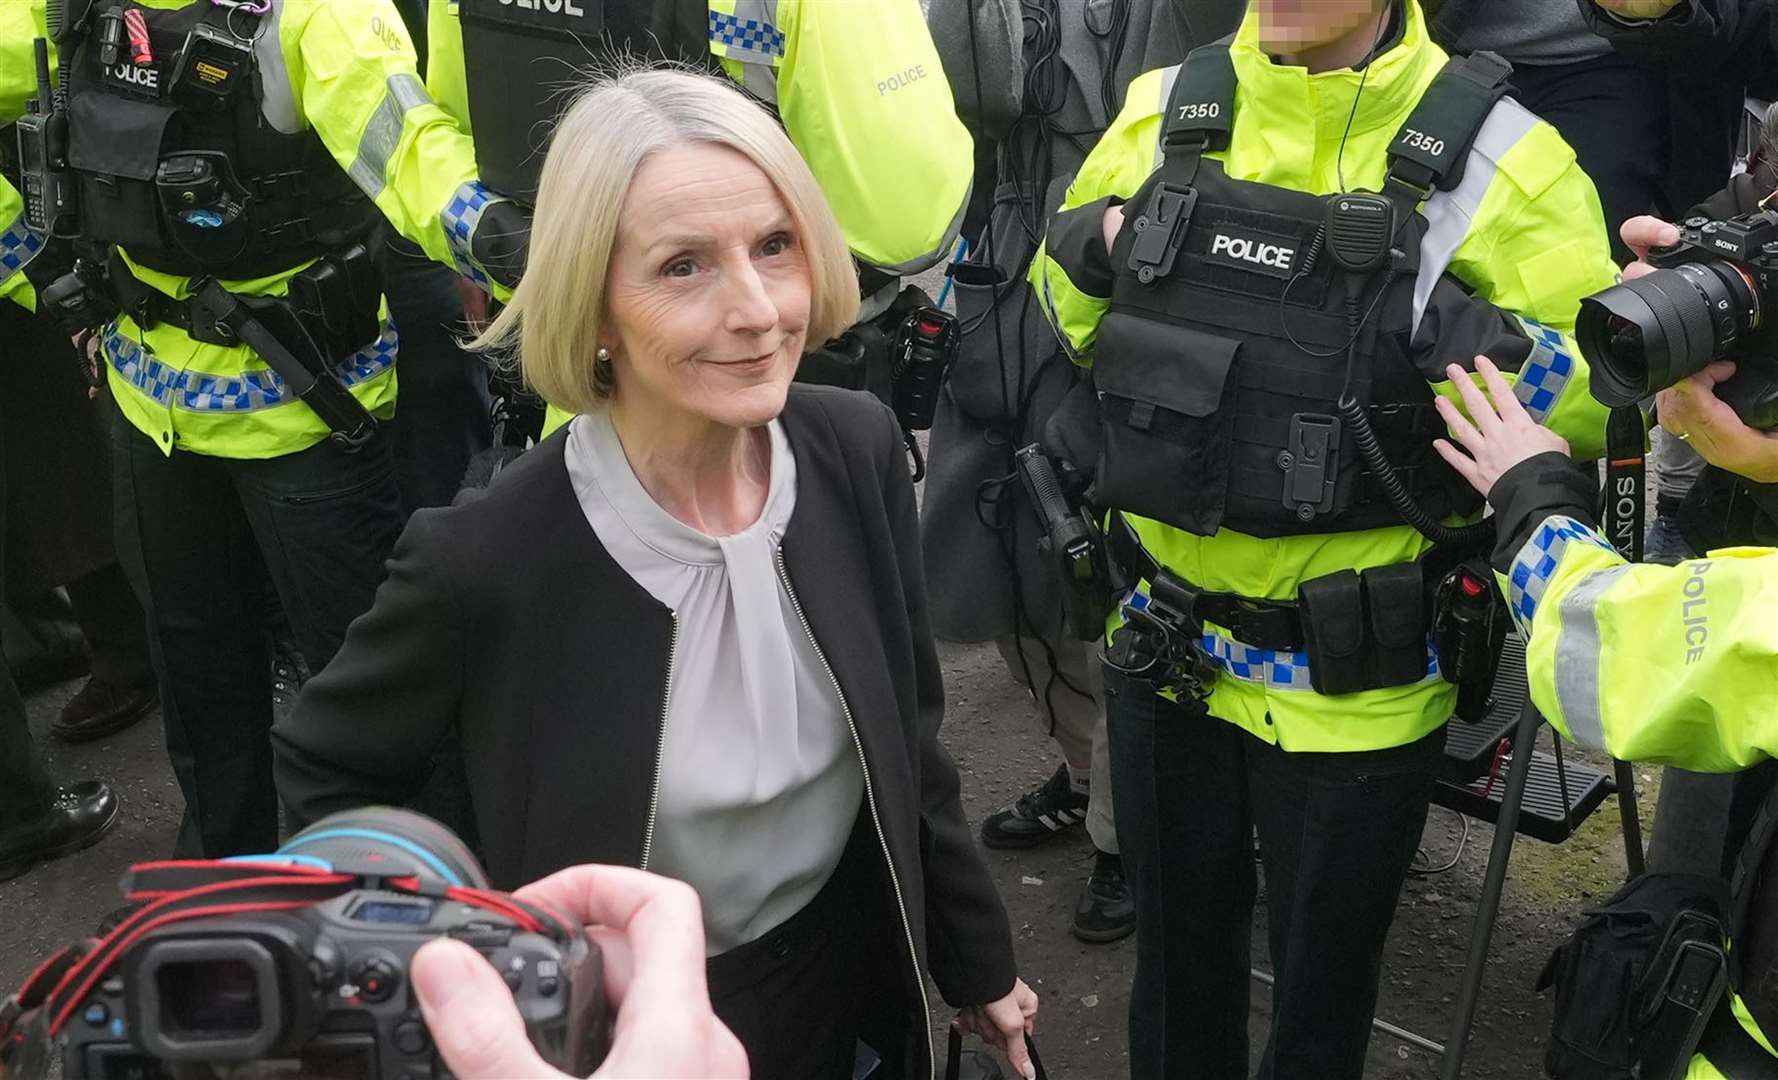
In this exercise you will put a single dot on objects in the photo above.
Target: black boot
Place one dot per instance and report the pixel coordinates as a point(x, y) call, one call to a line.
point(76, 819)
point(1106, 910)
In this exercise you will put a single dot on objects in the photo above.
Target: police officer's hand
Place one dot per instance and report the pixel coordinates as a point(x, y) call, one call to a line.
point(1004, 1024)
point(1114, 224)
point(1498, 434)
point(1642, 234)
point(651, 933)
point(1691, 410)
point(475, 305)
point(1639, 9)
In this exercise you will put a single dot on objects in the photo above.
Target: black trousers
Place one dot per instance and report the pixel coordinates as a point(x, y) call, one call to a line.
point(1613, 112)
point(803, 996)
point(1337, 833)
point(443, 418)
point(25, 786)
point(197, 535)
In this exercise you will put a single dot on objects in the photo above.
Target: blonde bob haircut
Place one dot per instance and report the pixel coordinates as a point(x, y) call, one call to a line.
point(556, 313)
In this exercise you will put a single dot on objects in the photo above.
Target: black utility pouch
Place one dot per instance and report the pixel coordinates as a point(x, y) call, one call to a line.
point(1165, 403)
point(1333, 612)
point(1395, 597)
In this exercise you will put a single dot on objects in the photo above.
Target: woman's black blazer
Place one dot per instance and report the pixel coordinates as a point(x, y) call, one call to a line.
point(506, 643)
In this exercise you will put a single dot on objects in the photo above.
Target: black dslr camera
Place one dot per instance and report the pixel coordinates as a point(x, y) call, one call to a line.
point(295, 964)
point(1714, 296)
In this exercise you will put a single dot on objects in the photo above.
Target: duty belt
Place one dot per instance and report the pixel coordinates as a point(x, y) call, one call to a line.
point(1263, 624)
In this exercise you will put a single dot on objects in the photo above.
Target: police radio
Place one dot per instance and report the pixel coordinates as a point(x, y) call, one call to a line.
point(47, 182)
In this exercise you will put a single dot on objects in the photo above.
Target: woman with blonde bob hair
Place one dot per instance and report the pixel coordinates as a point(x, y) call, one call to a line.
point(688, 631)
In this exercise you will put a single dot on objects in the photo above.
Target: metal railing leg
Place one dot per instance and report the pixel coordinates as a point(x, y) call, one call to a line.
point(1493, 885)
point(1632, 821)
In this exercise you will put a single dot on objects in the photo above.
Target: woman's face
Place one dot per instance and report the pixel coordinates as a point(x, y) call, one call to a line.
point(1290, 26)
point(708, 291)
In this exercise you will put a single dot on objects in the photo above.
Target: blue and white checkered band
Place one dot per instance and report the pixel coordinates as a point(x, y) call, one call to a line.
point(1547, 370)
point(1536, 563)
point(743, 36)
point(460, 218)
point(18, 246)
point(1275, 669)
point(196, 391)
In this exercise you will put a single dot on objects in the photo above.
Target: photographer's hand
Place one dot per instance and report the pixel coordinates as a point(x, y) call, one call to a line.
point(1498, 435)
point(1640, 234)
point(1691, 410)
point(1639, 9)
point(651, 932)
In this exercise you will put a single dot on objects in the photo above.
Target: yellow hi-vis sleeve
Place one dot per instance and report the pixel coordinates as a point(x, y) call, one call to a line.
point(1676, 664)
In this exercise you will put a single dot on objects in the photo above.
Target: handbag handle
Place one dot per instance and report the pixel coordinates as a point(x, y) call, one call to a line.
point(954, 1055)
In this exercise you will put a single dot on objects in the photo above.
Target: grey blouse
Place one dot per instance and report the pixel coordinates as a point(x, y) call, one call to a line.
point(760, 780)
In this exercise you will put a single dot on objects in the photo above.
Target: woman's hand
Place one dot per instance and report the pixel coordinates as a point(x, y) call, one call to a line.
point(1691, 410)
point(1502, 434)
point(650, 932)
point(1004, 1024)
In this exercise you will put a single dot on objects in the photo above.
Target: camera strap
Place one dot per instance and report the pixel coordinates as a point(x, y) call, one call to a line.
point(1626, 481)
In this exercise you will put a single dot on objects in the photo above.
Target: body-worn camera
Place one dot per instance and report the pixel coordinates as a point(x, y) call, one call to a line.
point(297, 964)
point(1713, 296)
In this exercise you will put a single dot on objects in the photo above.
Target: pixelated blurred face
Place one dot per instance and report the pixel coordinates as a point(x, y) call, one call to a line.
point(1290, 26)
point(709, 291)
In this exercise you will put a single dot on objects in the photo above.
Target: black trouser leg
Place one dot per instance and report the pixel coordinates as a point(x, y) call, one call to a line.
point(1602, 108)
point(443, 417)
point(1180, 797)
point(111, 618)
point(1337, 833)
point(1752, 787)
point(25, 786)
point(185, 543)
point(325, 521)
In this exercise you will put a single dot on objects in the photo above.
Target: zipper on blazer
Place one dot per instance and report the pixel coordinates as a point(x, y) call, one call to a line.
point(870, 800)
point(660, 746)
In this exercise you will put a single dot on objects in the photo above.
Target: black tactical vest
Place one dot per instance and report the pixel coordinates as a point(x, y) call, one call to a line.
point(523, 59)
point(1754, 887)
point(177, 162)
point(1233, 334)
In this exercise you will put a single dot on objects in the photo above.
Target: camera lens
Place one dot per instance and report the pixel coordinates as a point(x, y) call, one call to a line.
point(388, 841)
point(1647, 334)
point(207, 999)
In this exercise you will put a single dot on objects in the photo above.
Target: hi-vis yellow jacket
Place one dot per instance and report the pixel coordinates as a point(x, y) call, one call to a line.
point(352, 76)
point(1524, 232)
point(862, 96)
point(1675, 664)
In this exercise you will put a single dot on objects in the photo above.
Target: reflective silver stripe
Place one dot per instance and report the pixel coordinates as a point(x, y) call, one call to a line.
point(1449, 214)
point(944, 248)
point(277, 101)
point(377, 145)
point(1577, 657)
point(760, 81)
point(1169, 76)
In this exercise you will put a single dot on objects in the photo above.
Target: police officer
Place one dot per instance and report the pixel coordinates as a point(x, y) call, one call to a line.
point(228, 163)
point(1647, 662)
point(858, 87)
point(1268, 260)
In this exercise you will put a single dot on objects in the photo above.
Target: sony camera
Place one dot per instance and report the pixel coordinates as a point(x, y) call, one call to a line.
point(1713, 296)
point(296, 964)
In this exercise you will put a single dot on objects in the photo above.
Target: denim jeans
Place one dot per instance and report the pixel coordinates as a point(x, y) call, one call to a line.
point(1337, 833)
point(198, 536)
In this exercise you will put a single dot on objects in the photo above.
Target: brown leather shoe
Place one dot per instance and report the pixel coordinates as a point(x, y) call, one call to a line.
point(102, 708)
